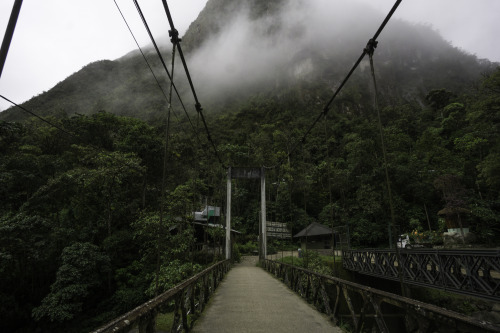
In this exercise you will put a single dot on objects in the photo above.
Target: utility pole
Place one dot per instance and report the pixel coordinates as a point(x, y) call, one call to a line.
point(9, 32)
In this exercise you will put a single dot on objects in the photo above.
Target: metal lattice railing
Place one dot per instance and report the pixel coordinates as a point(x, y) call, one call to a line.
point(370, 309)
point(475, 273)
point(189, 297)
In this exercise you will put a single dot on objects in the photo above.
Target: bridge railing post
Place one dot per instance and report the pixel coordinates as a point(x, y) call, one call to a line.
point(185, 295)
point(364, 305)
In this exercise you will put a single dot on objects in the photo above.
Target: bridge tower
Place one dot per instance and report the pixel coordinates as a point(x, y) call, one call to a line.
point(247, 173)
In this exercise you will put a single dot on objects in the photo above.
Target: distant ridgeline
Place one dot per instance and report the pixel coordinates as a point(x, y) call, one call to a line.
point(239, 51)
point(96, 216)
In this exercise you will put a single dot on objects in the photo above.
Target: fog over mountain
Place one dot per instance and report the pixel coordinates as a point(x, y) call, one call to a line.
point(239, 49)
point(281, 41)
point(253, 44)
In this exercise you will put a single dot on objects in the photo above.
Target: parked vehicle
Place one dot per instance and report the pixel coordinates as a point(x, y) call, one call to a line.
point(404, 242)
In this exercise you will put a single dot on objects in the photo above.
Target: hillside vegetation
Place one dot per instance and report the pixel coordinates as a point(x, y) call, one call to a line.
point(239, 50)
point(80, 229)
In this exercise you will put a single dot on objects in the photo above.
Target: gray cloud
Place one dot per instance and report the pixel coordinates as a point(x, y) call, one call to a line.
point(55, 38)
point(246, 51)
point(280, 46)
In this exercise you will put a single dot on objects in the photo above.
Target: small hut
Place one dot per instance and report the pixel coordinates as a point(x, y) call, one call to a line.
point(315, 236)
point(454, 216)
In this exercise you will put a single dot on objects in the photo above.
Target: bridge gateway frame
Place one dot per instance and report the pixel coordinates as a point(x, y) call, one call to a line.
point(247, 173)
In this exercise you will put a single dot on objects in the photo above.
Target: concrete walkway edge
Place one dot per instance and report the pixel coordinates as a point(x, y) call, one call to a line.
point(249, 299)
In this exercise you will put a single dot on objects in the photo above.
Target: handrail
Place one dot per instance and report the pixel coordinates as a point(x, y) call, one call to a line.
point(367, 306)
point(190, 296)
point(469, 272)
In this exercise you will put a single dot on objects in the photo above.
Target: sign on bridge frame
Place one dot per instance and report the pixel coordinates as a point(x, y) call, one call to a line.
point(248, 173)
point(278, 230)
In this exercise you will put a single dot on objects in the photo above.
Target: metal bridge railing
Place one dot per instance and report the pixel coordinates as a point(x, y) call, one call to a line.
point(470, 272)
point(370, 309)
point(190, 297)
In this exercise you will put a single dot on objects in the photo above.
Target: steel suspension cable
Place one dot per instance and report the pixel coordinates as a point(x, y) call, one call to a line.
point(326, 108)
point(374, 40)
point(164, 175)
point(175, 39)
point(9, 33)
point(143, 55)
point(144, 21)
point(370, 49)
point(146, 25)
point(382, 141)
point(330, 191)
point(75, 135)
point(174, 34)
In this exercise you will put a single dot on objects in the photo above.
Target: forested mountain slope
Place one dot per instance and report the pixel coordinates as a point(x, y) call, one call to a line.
point(273, 48)
point(80, 230)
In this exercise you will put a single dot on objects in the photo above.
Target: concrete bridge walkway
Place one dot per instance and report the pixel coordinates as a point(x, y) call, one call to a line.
point(251, 300)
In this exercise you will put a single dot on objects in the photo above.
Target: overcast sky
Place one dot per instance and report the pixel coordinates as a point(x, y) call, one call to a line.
point(55, 38)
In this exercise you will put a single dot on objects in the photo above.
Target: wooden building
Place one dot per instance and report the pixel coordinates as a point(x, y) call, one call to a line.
point(315, 236)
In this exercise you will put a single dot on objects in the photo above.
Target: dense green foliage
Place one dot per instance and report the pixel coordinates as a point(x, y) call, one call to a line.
point(411, 59)
point(79, 224)
point(86, 232)
point(453, 136)
point(80, 213)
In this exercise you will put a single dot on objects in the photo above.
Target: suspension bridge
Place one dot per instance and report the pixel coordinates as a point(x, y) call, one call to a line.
point(286, 298)
point(278, 297)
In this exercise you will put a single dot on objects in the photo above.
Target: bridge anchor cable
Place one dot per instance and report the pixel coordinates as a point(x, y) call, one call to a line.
point(370, 50)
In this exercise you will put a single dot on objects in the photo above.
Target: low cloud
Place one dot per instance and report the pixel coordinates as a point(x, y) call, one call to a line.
point(281, 45)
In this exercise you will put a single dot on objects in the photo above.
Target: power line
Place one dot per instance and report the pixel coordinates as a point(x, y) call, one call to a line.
point(75, 135)
point(372, 43)
point(72, 134)
point(174, 34)
point(37, 116)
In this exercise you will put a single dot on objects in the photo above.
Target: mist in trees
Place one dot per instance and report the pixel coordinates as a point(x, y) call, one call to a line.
point(80, 230)
point(79, 221)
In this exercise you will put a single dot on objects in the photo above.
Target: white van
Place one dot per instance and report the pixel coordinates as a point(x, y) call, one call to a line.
point(404, 242)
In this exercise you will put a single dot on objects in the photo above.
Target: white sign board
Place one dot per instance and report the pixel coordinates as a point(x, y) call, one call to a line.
point(278, 230)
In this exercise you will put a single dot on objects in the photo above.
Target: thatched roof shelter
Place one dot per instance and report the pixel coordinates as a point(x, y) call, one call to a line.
point(454, 216)
point(453, 211)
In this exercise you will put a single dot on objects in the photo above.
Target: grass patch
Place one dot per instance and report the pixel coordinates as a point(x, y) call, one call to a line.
point(292, 261)
point(164, 321)
point(327, 265)
point(326, 260)
point(459, 303)
point(329, 260)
